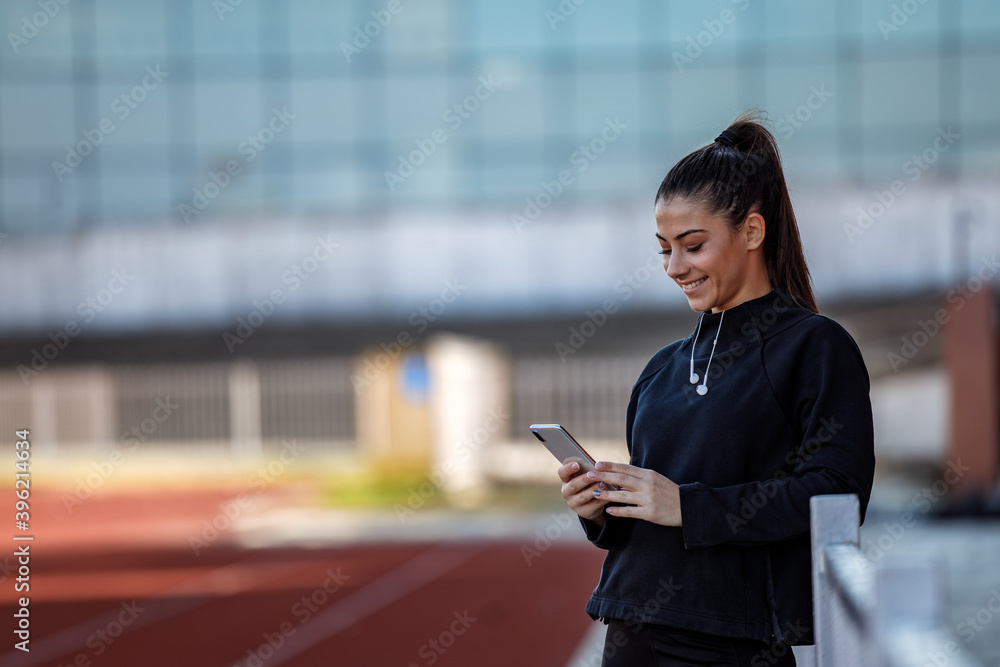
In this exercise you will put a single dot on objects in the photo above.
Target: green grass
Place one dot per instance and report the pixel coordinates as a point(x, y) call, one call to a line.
point(375, 490)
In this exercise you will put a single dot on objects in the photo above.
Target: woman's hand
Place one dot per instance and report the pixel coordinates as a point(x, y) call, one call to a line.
point(576, 490)
point(647, 494)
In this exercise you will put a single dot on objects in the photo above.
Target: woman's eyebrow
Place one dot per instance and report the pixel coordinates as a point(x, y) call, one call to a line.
point(681, 235)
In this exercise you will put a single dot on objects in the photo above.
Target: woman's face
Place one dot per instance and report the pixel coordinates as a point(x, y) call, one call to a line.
point(714, 266)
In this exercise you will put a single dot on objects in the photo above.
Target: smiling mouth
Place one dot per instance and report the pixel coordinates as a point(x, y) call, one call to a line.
point(687, 287)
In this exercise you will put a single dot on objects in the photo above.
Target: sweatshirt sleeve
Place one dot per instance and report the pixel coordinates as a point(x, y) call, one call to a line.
point(604, 536)
point(821, 382)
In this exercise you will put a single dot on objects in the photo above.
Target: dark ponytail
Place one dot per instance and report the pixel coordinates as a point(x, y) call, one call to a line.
point(738, 174)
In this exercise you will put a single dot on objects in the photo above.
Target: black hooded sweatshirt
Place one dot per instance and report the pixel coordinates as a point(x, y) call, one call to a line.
point(787, 416)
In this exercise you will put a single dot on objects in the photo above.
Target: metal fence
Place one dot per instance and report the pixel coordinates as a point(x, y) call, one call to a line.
point(887, 615)
point(195, 406)
point(245, 406)
point(588, 395)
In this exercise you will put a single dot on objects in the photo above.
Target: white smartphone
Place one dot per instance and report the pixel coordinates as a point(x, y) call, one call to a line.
point(562, 445)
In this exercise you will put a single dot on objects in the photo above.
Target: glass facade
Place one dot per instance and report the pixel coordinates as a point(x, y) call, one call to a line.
point(140, 111)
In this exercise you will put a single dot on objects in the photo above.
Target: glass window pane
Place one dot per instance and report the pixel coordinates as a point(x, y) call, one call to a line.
point(706, 101)
point(887, 23)
point(980, 89)
point(980, 16)
point(597, 24)
point(900, 91)
point(317, 26)
point(801, 99)
point(518, 108)
point(221, 28)
point(129, 28)
point(37, 116)
point(604, 96)
point(793, 19)
point(325, 110)
point(414, 107)
point(35, 33)
point(227, 112)
point(510, 25)
point(139, 114)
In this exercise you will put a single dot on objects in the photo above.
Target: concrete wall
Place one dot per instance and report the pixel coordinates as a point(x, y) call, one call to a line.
point(429, 265)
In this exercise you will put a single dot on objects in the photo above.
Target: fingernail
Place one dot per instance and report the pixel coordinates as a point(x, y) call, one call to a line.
point(591, 474)
point(600, 485)
point(600, 465)
point(574, 466)
point(596, 492)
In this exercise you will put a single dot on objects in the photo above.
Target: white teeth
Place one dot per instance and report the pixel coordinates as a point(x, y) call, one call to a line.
point(690, 286)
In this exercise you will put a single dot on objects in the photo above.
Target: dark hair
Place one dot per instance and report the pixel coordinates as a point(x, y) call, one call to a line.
point(739, 174)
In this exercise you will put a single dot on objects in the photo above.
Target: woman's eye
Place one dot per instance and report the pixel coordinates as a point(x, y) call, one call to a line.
point(665, 252)
point(695, 248)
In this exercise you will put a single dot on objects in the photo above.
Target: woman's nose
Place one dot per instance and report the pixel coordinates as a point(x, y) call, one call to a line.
point(676, 267)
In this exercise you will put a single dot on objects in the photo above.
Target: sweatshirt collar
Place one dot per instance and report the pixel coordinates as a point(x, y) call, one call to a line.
point(753, 320)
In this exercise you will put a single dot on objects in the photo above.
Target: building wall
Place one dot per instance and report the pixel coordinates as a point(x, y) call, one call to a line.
point(852, 88)
point(428, 268)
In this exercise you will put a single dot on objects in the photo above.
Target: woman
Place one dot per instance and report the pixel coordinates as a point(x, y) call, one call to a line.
point(730, 431)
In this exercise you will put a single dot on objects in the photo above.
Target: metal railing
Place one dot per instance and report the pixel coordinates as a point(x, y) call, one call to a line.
point(238, 406)
point(241, 405)
point(865, 615)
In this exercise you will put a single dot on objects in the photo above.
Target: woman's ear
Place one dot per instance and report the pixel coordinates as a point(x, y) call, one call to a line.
point(753, 231)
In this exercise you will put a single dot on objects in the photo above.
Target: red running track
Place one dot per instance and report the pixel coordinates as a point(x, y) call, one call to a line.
point(121, 591)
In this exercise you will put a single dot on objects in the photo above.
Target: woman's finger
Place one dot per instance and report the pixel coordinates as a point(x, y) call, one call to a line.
point(630, 511)
point(576, 485)
point(568, 470)
point(621, 468)
point(618, 479)
point(610, 496)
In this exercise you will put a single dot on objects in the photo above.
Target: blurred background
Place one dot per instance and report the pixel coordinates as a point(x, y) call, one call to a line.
point(282, 285)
